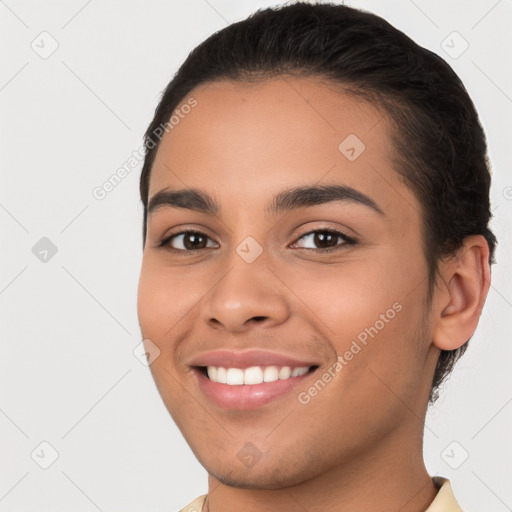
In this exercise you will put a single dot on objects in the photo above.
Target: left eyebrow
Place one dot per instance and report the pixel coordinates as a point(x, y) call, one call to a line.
point(316, 195)
point(298, 197)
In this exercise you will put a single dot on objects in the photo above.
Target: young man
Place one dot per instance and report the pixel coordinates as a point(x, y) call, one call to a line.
point(316, 257)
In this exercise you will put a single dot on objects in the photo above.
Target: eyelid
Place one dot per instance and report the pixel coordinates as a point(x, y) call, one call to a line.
point(341, 232)
point(348, 240)
point(184, 230)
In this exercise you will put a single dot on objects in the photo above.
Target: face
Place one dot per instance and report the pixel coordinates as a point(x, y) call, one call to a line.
point(307, 310)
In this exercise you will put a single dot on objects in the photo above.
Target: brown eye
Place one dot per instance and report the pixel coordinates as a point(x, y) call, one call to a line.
point(187, 241)
point(326, 240)
point(192, 241)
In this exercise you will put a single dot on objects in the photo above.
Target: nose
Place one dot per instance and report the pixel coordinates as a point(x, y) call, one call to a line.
point(248, 294)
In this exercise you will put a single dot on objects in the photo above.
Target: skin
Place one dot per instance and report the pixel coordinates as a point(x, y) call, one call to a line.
point(357, 444)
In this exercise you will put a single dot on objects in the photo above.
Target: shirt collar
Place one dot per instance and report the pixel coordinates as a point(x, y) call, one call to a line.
point(443, 502)
point(445, 499)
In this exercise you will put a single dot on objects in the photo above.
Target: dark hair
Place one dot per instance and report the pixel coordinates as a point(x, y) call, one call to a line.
point(441, 150)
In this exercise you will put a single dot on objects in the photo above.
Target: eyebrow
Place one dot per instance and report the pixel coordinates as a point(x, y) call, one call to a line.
point(298, 197)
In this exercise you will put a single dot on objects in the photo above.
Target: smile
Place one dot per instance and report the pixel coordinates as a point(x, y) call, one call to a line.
point(249, 379)
point(241, 396)
point(253, 375)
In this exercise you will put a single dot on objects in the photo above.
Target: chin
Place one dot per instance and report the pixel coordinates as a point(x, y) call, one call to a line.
point(259, 477)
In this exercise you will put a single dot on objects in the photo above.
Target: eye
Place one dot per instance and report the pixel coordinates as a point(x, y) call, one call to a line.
point(326, 239)
point(186, 241)
point(192, 240)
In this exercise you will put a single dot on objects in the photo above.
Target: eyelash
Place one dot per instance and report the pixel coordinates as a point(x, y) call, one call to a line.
point(183, 252)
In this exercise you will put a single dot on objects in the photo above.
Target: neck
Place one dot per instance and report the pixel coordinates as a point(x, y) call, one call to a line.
point(390, 478)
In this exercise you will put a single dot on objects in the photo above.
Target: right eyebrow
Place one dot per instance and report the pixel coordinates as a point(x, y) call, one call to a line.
point(191, 199)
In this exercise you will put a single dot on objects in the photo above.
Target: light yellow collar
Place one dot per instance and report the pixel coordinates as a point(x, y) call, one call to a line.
point(443, 502)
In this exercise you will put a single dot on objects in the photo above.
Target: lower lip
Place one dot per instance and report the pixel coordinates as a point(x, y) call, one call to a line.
point(246, 396)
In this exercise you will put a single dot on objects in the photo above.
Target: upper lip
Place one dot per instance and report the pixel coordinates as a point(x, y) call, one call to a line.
point(247, 358)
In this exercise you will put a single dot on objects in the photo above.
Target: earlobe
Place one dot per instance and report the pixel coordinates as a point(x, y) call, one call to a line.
point(466, 282)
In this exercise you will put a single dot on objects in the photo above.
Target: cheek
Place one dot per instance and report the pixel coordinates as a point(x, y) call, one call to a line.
point(355, 297)
point(150, 307)
point(158, 309)
point(371, 313)
point(163, 299)
point(167, 304)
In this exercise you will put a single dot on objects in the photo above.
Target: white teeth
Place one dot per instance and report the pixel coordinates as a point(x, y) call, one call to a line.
point(285, 372)
point(296, 372)
point(270, 374)
point(253, 374)
point(221, 375)
point(235, 376)
point(212, 373)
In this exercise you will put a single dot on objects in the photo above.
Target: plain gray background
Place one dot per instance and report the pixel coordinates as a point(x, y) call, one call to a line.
point(68, 376)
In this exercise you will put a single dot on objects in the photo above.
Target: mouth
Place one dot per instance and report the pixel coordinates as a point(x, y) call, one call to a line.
point(250, 388)
point(253, 375)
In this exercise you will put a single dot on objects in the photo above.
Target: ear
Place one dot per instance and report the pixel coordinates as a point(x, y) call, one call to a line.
point(459, 299)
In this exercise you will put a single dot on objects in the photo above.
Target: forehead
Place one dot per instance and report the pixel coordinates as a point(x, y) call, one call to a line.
point(252, 139)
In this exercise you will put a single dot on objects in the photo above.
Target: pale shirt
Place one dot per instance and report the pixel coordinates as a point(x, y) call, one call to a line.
point(443, 502)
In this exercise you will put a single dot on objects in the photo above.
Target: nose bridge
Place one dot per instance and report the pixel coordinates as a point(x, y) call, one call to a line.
point(247, 290)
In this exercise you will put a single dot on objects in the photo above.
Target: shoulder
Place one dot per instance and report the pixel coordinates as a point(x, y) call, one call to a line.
point(196, 505)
